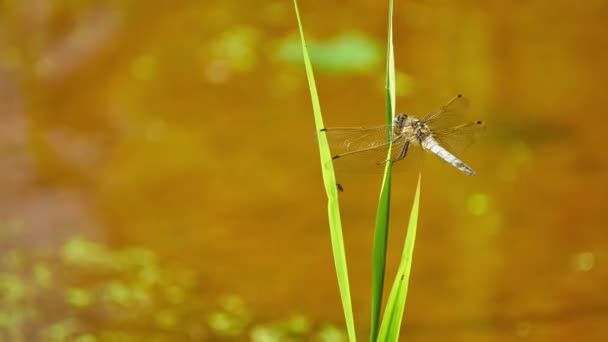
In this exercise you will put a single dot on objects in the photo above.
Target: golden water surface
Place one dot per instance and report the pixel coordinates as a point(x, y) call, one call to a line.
point(147, 144)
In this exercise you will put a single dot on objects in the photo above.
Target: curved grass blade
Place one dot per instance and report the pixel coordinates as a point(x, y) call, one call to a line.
point(383, 212)
point(329, 179)
point(393, 313)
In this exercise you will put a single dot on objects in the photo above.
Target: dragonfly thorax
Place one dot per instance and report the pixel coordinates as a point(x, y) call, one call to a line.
point(411, 128)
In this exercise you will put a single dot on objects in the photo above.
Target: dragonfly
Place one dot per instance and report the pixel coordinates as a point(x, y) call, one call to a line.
point(438, 132)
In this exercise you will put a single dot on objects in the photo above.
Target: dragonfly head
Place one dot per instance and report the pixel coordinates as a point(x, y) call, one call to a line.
point(399, 121)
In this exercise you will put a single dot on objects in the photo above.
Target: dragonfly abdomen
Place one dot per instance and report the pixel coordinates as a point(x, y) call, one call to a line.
point(429, 143)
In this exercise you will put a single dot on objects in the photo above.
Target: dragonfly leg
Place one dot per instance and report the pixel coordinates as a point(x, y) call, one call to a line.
point(403, 152)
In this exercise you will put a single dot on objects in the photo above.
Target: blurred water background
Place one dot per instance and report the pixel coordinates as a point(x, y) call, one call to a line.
point(160, 180)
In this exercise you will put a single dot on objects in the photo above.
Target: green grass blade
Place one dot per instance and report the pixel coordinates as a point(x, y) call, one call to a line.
point(393, 314)
point(383, 212)
point(329, 179)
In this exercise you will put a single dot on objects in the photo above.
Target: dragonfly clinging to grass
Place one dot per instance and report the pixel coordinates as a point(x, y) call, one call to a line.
point(436, 132)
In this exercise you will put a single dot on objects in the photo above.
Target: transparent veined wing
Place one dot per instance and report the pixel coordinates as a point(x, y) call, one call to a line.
point(350, 139)
point(458, 138)
point(361, 149)
point(451, 114)
point(450, 127)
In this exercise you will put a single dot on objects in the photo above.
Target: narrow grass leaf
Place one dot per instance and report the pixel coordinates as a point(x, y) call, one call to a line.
point(329, 179)
point(383, 212)
point(393, 314)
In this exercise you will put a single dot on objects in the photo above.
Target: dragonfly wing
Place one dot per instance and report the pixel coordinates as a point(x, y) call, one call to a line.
point(370, 160)
point(361, 149)
point(350, 139)
point(457, 138)
point(450, 115)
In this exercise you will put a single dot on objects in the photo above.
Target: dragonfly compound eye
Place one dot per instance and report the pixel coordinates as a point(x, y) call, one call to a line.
point(399, 120)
